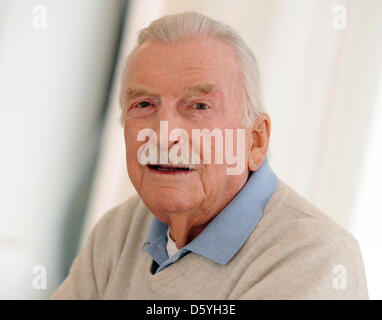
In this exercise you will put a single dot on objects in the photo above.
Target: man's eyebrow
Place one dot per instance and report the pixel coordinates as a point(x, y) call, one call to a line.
point(204, 88)
point(132, 93)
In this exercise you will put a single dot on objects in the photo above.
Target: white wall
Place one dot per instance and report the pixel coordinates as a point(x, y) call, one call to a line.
point(367, 221)
point(53, 85)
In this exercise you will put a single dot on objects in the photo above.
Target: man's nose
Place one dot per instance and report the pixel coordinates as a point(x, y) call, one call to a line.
point(167, 119)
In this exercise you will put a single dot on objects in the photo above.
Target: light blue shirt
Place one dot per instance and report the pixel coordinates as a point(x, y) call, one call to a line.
point(227, 232)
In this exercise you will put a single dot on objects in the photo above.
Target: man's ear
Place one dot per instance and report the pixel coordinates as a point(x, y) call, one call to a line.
point(259, 141)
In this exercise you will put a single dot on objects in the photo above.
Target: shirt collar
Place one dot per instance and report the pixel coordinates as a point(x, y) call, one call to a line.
point(156, 241)
point(228, 231)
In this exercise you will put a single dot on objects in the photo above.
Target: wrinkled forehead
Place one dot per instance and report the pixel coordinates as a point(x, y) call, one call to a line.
point(159, 65)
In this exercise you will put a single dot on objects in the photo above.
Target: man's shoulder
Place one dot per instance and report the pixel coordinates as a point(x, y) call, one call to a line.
point(123, 213)
point(114, 226)
point(298, 249)
point(293, 215)
point(114, 232)
point(292, 226)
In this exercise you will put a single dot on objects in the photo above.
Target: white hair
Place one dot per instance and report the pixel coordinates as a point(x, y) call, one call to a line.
point(173, 28)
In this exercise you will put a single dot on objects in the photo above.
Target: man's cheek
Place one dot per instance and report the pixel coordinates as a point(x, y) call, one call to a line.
point(131, 156)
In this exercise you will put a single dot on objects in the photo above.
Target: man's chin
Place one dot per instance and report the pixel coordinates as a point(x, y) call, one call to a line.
point(172, 205)
point(167, 203)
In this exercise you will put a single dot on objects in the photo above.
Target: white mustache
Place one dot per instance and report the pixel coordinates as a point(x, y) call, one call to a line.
point(175, 156)
point(179, 153)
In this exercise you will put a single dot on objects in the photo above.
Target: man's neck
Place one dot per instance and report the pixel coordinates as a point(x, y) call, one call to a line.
point(182, 232)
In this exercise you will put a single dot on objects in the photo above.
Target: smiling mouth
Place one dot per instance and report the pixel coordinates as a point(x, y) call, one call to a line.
point(165, 168)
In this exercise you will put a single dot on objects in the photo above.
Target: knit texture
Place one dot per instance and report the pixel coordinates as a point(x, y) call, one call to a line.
point(295, 252)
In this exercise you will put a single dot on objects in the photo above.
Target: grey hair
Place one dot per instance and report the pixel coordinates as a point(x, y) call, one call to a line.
point(173, 28)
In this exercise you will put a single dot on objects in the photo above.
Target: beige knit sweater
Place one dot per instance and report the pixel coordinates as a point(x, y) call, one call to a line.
point(295, 252)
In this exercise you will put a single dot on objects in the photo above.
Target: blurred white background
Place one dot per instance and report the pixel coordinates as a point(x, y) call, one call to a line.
point(62, 152)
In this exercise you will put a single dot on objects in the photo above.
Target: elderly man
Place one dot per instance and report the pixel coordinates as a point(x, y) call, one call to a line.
point(197, 230)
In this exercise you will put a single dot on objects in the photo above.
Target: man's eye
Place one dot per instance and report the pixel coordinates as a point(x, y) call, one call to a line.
point(200, 106)
point(144, 104)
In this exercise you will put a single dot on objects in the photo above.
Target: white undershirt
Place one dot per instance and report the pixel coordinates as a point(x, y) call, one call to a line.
point(170, 246)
